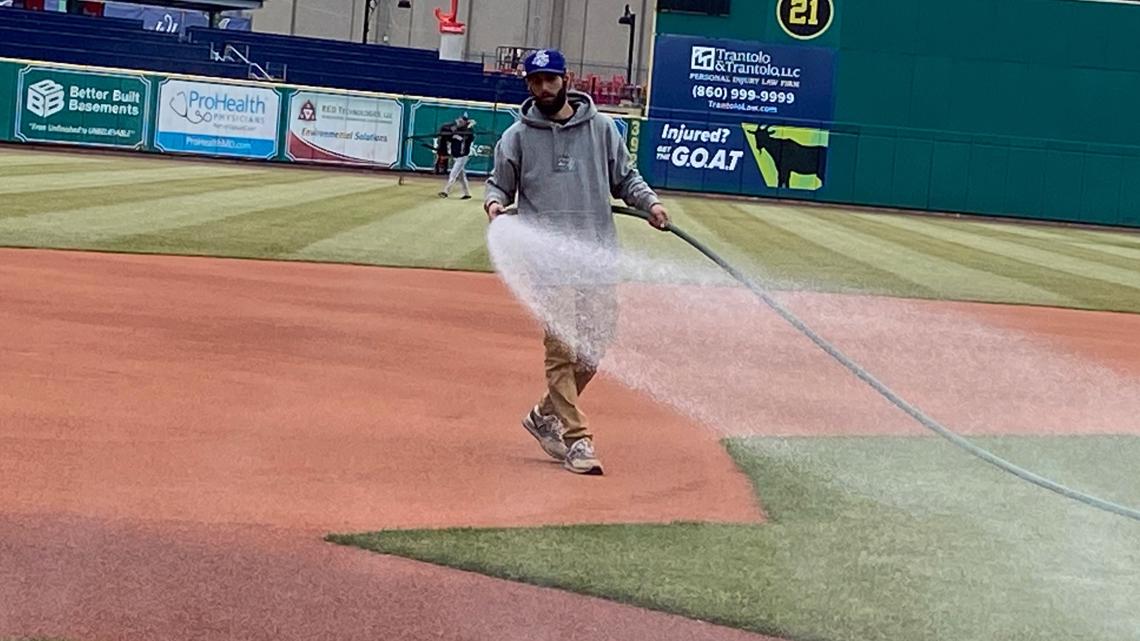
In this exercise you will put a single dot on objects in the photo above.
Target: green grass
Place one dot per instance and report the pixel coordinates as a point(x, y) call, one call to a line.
point(871, 539)
point(160, 205)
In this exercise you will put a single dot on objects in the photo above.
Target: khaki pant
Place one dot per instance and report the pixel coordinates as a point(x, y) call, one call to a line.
point(589, 315)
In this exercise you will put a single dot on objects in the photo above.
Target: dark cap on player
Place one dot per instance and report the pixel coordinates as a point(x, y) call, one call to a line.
point(545, 61)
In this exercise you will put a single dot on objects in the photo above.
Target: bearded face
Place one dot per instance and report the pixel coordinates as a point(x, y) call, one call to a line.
point(549, 91)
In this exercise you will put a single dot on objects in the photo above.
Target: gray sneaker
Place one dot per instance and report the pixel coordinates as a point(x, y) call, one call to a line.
point(548, 431)
point(580, 458)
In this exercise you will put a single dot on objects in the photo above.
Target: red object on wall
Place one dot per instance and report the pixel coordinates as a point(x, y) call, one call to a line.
point(94, 9)
point(447, 21)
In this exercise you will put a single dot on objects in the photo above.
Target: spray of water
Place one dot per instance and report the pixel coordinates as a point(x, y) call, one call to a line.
point(694, 339)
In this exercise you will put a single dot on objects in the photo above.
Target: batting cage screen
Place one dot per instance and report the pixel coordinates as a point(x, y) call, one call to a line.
point(426, 123)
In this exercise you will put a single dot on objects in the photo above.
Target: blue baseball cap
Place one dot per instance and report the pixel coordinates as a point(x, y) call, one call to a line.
point(545, 61)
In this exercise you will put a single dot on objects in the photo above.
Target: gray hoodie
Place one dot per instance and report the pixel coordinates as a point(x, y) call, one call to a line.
point(565, 175)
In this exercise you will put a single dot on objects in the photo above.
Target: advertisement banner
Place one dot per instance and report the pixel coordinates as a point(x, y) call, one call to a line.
point(338, 128)
point(426, 118)
point(7, 99)
point(217, 119)
point(82, 107)
point(748, 158)
point(730, 80)
point(633, 138)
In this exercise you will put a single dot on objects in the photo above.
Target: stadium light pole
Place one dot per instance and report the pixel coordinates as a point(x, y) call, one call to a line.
point(369, 9)
point(629, 19)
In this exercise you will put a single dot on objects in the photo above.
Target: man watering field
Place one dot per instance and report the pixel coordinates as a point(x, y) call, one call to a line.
point(562, 164)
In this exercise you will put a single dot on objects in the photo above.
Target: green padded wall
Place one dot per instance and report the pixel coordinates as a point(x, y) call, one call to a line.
point(1027, 108)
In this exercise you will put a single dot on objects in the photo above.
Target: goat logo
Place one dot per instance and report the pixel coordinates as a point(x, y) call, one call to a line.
point(789, 157)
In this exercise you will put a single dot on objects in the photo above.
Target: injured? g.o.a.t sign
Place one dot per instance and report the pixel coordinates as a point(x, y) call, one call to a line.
point(709, 148)
point(748, 158)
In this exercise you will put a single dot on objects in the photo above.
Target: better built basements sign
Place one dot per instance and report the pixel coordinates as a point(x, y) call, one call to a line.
point(339, 128)
point(82, 108)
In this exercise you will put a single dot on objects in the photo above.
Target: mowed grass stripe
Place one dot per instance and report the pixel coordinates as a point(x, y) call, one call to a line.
point(109, 177)
point(638, 237)
point(93, 159)
point(410, 227)
point(478, 259)
point(1109, 241)
point(1130, 253)
point(1118, 238)
point(1041, 258)
point(637, 234)
point(1085, 292)
point(1029, 230)
point(1068, 235)
point(92, 225)
point(943, 275)
point(1066, 289)
point(48, 169)
point(271, 231)
point(775, 256)
point(656, 256)
point(1036, 229)
point(60, 200)
point(1091, 253)
point(812, 262)
point(20, 156)
point(800, 260)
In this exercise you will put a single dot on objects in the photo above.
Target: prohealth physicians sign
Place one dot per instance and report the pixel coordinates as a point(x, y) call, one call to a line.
point(217, 119)
point(334, 128)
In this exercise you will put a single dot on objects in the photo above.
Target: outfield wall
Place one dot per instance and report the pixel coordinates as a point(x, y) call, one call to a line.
point(1023, 108)
point(86, 106)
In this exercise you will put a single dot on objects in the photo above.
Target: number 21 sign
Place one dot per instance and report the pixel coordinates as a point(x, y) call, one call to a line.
point(805, 19)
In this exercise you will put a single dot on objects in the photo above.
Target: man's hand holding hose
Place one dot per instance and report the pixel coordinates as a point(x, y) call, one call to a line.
point(494, 209)
point(658, 215)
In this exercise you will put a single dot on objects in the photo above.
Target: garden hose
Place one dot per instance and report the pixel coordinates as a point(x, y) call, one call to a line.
point(885, 391)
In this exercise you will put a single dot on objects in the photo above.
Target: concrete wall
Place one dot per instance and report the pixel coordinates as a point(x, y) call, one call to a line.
point(586, 30)
point(337, 19)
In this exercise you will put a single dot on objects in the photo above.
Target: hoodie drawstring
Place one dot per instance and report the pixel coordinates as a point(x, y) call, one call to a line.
point(554, 127)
